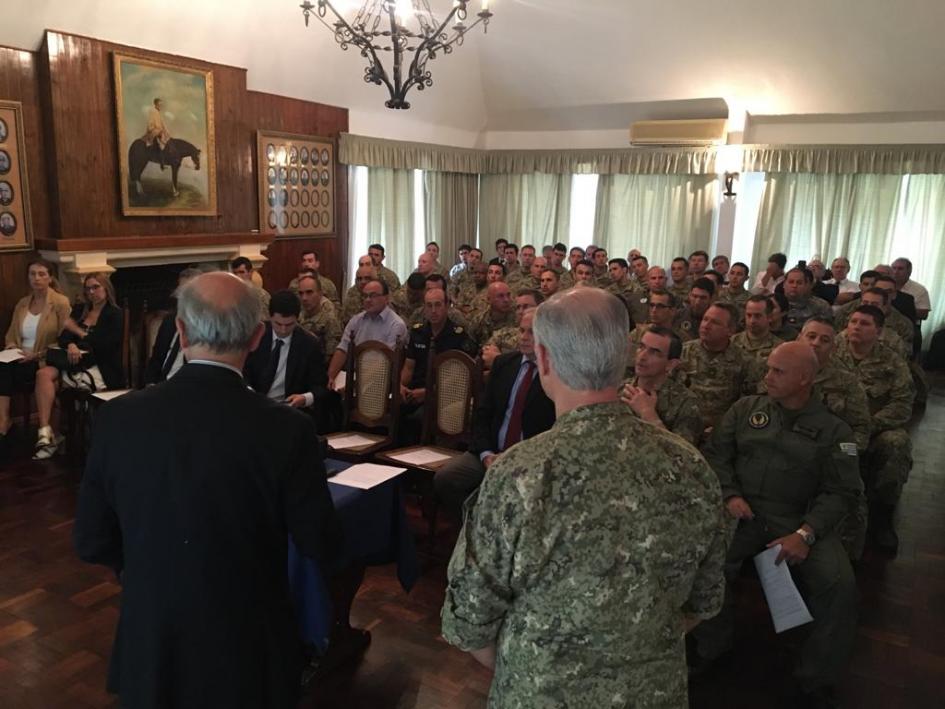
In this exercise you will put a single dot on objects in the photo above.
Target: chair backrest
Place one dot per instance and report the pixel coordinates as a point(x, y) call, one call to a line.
point(126, 342)
point(453, 383)
point(150, 324)
point(372, 392)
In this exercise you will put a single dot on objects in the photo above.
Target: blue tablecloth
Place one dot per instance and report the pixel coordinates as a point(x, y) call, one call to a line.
point(375, 532)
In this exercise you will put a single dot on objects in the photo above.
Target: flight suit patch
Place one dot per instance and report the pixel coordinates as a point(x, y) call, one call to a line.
point(759, 419)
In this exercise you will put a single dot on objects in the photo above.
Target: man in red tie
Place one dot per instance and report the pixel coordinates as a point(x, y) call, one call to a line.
point(513, 408)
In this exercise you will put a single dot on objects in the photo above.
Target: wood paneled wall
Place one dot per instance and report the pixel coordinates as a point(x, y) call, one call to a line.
point(68, 94)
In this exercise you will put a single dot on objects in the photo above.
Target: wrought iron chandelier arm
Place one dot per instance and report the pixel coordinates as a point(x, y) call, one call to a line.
point(375, 72)
point(427, 50)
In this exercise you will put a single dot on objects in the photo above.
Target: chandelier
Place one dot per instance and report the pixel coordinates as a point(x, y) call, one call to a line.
point(380, 26)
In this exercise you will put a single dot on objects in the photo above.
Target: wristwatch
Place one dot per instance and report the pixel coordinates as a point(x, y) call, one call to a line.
point(808, 537)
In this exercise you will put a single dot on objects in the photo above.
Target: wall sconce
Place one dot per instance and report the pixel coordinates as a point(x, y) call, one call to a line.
point(729, 182)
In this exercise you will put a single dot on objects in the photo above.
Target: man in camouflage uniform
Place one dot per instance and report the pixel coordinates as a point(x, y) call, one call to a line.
point(580, 600)
point(890, 392)
point(756, 339)
point(498, 315)
point(662, 312)
point(513, 269)
point(318, 315)
point(717, 373)
point(567, 278)
point(472, 287)
point(353, 302)
point(655, 397)
point(532, 280)
point(697, 301)
point(407, 302)
point(310, 263)
point(801, 304)
point(735, 292)
point(601, 272)
point(879, 298)
point(679, 271)
point(550, 282)
point(788, 471)
point(506, 339)
point(640, 267)
point(621, 284)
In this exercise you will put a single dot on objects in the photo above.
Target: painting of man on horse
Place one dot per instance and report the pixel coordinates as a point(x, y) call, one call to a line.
point(165, 126)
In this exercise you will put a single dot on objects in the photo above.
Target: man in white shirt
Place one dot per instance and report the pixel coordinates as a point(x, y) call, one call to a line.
point(768, 280)
point(846, 289)
point(902, 272)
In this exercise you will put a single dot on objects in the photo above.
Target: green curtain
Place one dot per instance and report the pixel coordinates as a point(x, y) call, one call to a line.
point(390, 208)
point(662, 215)
point(450, 203)
point(525, 209)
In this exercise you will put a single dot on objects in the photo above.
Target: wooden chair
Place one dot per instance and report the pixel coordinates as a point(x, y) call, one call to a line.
point(452, 389)
point(150, 324)
point(372, 399)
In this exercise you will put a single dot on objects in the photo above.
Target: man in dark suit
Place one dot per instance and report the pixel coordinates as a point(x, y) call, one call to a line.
point(289, 364)
point(513, 408)
point(190, 492)
point(166, 356)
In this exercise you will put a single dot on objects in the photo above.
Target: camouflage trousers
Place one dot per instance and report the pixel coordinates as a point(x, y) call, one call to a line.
point(886, 466)
point(852, 529)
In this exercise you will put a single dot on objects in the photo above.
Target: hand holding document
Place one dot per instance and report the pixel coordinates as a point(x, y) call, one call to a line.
point(11, 355)
point(787, 608)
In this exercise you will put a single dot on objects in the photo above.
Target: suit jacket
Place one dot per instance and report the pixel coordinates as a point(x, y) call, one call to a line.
point(190, 491)
point(539, 413)
point(304, 367)
point(103, 343)
point(154, 373)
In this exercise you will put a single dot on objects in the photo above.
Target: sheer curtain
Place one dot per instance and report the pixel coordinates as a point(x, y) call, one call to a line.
point(451, 200)
point(391, 216)
point(662, 215)
point(525, 209)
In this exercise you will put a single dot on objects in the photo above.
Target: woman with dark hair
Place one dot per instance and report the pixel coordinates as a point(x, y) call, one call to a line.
point(91, 342)
point(38, 318)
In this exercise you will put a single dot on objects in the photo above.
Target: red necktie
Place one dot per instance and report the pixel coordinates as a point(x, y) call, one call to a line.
point(513, 433)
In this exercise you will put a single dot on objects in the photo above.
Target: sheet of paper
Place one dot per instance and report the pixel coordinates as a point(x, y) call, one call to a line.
point(12, 355)
point(109, 395)
point(788, 609)
point(340, 380)
point(366, 475)
point(352, 441)
point(421, 456)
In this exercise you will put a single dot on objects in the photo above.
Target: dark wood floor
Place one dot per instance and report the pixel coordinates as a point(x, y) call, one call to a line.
point(57, 615)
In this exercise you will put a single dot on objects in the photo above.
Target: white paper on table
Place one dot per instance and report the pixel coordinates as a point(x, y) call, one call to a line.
point(340, 380)
point(111, 394)
point(422, 456)
point(366, 475)
point(787, 608)
point(11, 355)
point(352, 441)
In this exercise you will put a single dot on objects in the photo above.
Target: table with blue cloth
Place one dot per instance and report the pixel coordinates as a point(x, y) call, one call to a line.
point(375, 532)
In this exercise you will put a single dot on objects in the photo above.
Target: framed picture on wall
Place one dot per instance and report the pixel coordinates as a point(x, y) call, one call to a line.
point(16, 229)
point(165, 138)
point(303, 167)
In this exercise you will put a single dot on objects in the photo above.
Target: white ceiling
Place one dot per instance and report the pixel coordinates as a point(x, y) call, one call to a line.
point(560, 64)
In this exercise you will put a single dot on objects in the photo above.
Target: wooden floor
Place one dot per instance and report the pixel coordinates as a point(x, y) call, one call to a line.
point(57, 615)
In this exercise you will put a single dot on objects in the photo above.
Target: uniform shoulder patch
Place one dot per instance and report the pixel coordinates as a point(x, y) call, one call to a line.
point(848, 449)
point(759, 419)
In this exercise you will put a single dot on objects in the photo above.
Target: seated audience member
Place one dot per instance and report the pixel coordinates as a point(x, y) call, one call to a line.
point(495, 273)
point(550, 282)
point(513, 269)
point(682, 283)
point(621, 284)
point(567, 277)
point(777, 318)
point(474, 257)
point(851, 303)
point(471, 293)
point(879, 298)
point(771, 277)
point(190, 492)
point(311, 264)
point(720, 264)
point(898, 320)
point(632, 254)
point(242, 268)
point(839, 269)
point(437, 334)
point(354, 300)
point(735, 292)
point(514, 407)
point(661, 306)
point(526, 258)
point(37, 320)
point(698, 301)
point(903, 302)
point(698, 263)
point(506, 339)
point(807, 485)
point(801, 304)
point(90, 354)
point(318, 316)
point(715, 277)
point(410, 305)
point(653, 395)
point(436, 282)
point(890, 392)
point(600, 260)
point(461, 256)
point(497, 315)
point(500, 245)
point(426, 264)
point(713, 369)
point(756, 339)
point(583, 272)
point(533, 280)
point(902, 274)
point(288, 366)
point(827, 292)
point(593, 559)
point(376, 322)
point(167, 357)
point(639, 265)
point(377, 254)
point(433, 249)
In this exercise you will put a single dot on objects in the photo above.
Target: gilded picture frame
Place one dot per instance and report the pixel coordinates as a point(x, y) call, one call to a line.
point(166, 141)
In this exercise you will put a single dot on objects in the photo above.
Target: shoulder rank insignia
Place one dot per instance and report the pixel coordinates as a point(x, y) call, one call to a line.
point(758, 419)
point(848, 449)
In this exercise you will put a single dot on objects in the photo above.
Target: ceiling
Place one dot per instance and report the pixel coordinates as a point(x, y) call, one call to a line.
point(562, 64)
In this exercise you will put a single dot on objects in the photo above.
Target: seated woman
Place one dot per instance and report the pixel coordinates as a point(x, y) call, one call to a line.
point(38, 318)
point(92, 343)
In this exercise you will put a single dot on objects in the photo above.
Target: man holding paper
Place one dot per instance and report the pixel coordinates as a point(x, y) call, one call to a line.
point(789, 474)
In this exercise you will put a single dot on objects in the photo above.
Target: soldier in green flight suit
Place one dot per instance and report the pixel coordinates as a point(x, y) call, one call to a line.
point(789, 474)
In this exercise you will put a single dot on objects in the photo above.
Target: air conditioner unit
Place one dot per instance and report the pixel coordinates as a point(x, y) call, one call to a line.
point(701, 131)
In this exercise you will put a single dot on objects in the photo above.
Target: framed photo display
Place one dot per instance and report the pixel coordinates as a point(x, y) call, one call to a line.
point(296, 176)
point(16, 229)
point(166, 147)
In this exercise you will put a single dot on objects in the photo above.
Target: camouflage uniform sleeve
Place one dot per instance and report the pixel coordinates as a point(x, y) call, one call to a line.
point(721, 453)
point(708, 585)
point(841, 483)
point(898, 410)
point(858, 414)
point(688, 423)
point(479, 591)
point(329, 290)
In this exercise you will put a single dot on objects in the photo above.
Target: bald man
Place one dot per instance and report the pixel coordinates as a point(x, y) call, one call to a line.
point(353, 301)
point(498, 315)
point(789, 474)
